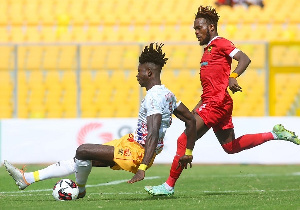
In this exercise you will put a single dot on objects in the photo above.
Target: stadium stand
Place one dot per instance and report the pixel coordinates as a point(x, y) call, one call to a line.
point(57, 40)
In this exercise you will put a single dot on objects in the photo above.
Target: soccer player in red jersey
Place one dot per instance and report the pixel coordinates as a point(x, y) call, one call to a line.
point(214, 110)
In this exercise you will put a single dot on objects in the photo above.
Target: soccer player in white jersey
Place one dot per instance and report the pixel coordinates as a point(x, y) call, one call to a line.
point(133, 152)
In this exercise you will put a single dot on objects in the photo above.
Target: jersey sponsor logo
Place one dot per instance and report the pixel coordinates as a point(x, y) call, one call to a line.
point(205, 63)
point(202, 107)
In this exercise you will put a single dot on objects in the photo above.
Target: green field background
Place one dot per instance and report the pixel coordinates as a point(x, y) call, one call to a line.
point(201, 187)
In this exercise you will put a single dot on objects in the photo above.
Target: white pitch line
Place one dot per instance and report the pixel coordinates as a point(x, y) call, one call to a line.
point(119, 182)
point(200, 192)
point(25, 193)
point(97, 185)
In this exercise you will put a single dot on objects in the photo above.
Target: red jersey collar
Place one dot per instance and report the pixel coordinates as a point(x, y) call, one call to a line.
point(212, 40)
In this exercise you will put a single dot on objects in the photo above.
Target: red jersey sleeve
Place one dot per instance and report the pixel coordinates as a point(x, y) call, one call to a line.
point(227, 47)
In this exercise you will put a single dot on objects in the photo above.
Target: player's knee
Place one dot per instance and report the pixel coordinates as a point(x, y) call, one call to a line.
point(228, 149)
point(82, 152)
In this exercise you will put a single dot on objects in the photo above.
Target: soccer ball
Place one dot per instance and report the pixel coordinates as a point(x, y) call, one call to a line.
point(65, 190)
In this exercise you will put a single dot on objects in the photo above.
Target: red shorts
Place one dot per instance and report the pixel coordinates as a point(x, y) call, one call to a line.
point(217, 115)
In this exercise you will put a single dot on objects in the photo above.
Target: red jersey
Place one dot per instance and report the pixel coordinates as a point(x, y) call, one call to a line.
point(215, 69)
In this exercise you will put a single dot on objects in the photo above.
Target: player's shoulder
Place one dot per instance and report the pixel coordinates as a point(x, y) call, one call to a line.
point(156, 90)
point(221, 39)
point(160, 92)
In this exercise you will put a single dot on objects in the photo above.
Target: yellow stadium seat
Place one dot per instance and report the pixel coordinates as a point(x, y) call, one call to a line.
point(50, 58)
point(18, 34)
point(252, 14)
point(290, 33)
point(69, 80)
point(107, 112)
point(6, 112)
point(69, 99)
point(3, 10)
point(93, 17)
point(275, 33)
point(86, 52)
point(36, 110)
point(97, 58)
point(127, 33)
point(80, 34)
point(76, 8)
point(111, 34)
point(101, 77)
point(96, 34)
point(142, 33)
point(178, 57)
point(22, 111)
point(293, 16)
point(86, 78)
point(278, 55)
point(45, 13)
point(138, 17)
point(67, 58)
point(52, 78)
point(130, 57)
point(30, 57)
point(49, 34)
point(54, 112)
point(113, 60)
point(35, 79)
point(30, 10)
point(194, 57)
point(5, 35)
point(32, 34)
point(266, 16)
point(258, 57)
point(64, 34)
point(16, 12)
point(70, 112)
point(7, 55)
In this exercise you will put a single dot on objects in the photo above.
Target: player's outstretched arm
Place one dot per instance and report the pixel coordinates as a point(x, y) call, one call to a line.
point(183, 113)
point(243, 63)
point(153, 125)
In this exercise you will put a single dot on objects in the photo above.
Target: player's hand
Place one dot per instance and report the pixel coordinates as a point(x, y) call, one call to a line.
point(184, 161)
point(233, 85)
point(140, 174)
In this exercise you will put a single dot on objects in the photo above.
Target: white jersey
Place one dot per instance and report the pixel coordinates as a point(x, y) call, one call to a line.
point(158, 100)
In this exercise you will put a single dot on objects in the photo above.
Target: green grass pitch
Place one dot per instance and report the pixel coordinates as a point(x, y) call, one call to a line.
point(201, 187)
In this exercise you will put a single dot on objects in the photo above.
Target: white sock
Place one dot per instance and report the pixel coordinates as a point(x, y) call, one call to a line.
point(82, 171)
point(274, 135)
point(59, 169)
point(168, 187)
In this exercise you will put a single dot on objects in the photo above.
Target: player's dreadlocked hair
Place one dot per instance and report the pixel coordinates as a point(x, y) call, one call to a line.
point(209, 14)
point(153, 54)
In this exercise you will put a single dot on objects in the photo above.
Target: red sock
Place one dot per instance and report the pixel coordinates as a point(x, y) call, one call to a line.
point(181, 147)
point(246, 142)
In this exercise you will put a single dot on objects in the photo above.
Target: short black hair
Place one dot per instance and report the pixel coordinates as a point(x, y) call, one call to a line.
point(209, 14)
point(152, 54)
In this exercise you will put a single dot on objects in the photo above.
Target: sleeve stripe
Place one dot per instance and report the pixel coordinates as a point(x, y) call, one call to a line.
point(178, 103)
point(233, 52)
